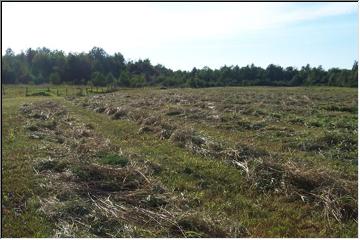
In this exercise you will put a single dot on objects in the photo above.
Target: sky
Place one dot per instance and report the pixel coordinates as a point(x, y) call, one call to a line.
point(186, 35)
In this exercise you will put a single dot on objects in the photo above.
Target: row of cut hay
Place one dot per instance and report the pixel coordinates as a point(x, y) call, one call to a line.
point(265, 174)
point(87, 198)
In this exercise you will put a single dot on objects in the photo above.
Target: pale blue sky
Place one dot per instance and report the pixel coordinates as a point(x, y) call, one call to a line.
point(186, 35)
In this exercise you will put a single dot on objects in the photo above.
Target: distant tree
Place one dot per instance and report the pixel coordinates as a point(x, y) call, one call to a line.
point(117, 64)
point(39, 79)
point(137, 80)
point(97, 67)
point(98, 60)
point(98, 79)
point(355, 69)
point(55, 78)
point(274, 73)
point(296, 80)
point(110, 79)
point(9, 52)
point(124, 79)
point(78, 67)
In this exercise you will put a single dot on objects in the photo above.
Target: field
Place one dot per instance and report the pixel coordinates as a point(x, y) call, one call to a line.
point(214, 162)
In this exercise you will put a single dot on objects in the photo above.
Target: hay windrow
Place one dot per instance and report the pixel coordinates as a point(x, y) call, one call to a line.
point(96, 190)
point(166, 115)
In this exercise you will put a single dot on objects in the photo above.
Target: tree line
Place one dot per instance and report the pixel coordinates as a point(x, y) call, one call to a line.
point(98, 68)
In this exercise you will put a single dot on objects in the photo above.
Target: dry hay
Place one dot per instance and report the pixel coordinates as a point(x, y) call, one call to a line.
point(335, 196)
point(87, 198)
point(321, 188)
point(327, 190)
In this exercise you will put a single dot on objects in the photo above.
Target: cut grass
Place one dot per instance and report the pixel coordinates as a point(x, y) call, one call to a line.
point(210, 186)
point(20, 189)
point(219, 179)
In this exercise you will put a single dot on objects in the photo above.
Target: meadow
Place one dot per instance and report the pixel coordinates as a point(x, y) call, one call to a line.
point(150, 162)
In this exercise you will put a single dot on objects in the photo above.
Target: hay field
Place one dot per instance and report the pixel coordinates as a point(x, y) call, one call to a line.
point(215, 162)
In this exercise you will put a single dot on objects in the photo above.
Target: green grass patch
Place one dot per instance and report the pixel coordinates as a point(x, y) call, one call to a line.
point(114, 159)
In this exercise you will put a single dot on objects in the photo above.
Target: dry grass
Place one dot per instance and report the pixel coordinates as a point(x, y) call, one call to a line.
point(262, 169)
point(92, 199)
point(173, 163)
